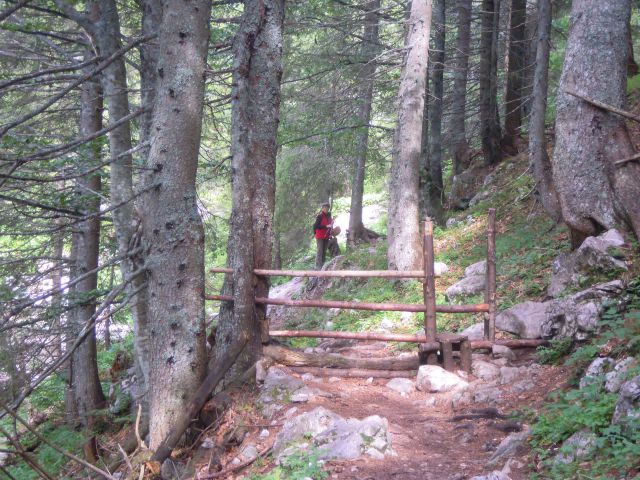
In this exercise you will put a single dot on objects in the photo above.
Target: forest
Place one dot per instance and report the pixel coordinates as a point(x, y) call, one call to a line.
point(154, 154)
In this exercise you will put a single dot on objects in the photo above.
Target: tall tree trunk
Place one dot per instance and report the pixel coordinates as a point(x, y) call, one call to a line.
point(490, 126)
point(460, 147)
point(515, 74)
point(85, 382)
point(537, 143)
point(255, 117)
point(594, 193)
point(403, 226)
point(365, 80)
point(434, 186)
point(531, 50)
point(106, 32)
point(172, 226)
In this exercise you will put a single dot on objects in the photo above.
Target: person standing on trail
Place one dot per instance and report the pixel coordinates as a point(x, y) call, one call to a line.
point(322, 229)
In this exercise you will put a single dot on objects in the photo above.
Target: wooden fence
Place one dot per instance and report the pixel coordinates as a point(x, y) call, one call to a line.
point(429, 306)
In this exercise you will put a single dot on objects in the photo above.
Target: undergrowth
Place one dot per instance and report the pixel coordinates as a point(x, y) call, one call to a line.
point(615, 453)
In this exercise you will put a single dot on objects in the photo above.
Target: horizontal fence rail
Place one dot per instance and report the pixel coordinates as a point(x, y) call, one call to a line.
point(378, 307)
point(429, 307)
point(332, 273)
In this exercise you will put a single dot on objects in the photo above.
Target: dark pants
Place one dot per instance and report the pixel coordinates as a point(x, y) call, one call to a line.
point(321, 252)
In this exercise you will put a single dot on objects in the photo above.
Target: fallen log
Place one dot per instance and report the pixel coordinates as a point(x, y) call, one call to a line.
point(355, 372)
point(512, 343)
point(297, 358)
point(196, 403)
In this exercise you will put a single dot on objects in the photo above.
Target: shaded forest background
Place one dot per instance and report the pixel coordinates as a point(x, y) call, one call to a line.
point(122, 125)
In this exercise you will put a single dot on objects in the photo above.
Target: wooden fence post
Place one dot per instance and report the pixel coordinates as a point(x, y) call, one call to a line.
point(490, 288)
point(429, 287)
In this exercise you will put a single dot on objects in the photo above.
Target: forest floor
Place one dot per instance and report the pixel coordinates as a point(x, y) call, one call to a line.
point(427, 442)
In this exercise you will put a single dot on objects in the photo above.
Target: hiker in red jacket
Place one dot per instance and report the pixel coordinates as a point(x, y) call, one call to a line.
point(322, 228)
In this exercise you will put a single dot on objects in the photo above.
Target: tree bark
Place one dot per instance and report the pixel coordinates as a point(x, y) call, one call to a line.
point(537, 142)
point(172, 226)
point(594, 193)
point(461, 152)
point(490, 125)
point(515, 74)
point(366, 80)
point(433, 185)
point(104, 26)
point(255, 117)
point(85, 382)
point(403, 226)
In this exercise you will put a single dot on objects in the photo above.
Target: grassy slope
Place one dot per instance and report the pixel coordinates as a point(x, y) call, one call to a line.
point(526, 243)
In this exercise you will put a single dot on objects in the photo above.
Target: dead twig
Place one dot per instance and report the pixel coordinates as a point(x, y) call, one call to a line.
point(126, 458)
point(141, 444)
point(627, 160)
point(604, 106)
point(236, 468)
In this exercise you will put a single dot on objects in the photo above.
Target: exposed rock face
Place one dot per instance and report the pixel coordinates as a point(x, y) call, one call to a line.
point(596, 370)
point(463, 189)
point(578, 446)
point(485, 370)
point(524, 319)
point(508, 446)
point(401, 385)
point(577, 316)
point(474, 332)
point(593, 256)
point(616, 378)
point(628, 405)
point(432, 378)
point(473, 282)
point(333, 436)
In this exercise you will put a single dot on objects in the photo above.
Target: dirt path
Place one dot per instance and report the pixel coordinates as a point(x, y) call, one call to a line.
point(427, 443)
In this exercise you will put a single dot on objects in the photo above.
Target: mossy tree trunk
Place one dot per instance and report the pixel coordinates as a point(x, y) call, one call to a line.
point(595, 194)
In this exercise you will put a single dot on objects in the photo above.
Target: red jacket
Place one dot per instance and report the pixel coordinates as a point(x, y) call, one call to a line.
point(321, 226)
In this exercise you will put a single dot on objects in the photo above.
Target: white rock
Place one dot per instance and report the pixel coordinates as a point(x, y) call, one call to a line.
point(432, 378)
point(401, 385)
point(264, 433)
point(440, 268)
point(500, 351)
point(485, 370)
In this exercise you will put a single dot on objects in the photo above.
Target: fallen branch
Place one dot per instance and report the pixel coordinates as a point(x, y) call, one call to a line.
point(604, 106)
point(196, 403)
point(355, 372)
point(627, 160)
point(235, 468)
point(297, 358)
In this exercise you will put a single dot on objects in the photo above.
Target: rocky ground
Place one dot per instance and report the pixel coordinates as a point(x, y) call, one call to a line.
point(402, 428)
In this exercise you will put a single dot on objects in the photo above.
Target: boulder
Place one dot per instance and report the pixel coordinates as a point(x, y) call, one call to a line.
point(524, 319)
point(478, 268)
point(628, 404)
point(577, 316)
point(615, 378)
point(440, 268)
point(508, 446)
point(432, 378)
point(474, 332)
point(593, 256)
point(466, 287)
point(578, 446)
point(332, 436)
point(596, 371)
point(401, 385)
point(485, 370)
point(501, 351)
